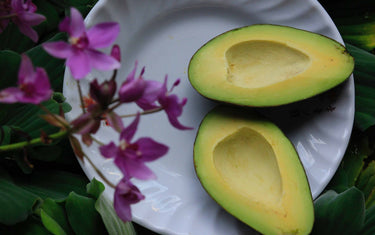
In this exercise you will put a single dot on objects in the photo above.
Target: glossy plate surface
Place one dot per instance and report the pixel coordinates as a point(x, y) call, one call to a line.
point(163, 35)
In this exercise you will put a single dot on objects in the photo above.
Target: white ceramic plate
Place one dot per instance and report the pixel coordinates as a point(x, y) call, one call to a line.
point(163, 35)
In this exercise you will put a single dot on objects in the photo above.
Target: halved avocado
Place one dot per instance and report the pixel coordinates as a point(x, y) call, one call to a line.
point(268, 65)
point(252, 170)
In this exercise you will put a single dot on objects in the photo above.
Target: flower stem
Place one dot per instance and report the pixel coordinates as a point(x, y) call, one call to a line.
point(143, 113)
point(35, 141)
point(99, 172)
point(81, 96)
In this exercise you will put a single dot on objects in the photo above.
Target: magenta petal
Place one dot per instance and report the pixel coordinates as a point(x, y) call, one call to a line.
point(115, 121)
point(125, 195)
point(30, 18)
point(102, 61)
point(128, 132)
point(109, 151)
point(59, 49)
point(10, 95)
point(139, 170)
point(26, 68)
point(116, 52)
point(150, 95)
point(150, 149)
point(28, 31)
point(103, 34)
point(77, 26)
point(79, 64)
point(132, 90)
point(64, 25)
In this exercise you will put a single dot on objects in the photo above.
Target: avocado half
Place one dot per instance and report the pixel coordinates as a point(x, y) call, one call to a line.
point(268, 65)
point(252, 170)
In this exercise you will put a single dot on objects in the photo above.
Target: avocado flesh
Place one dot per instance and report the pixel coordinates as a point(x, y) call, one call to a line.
point(268, 65)
point(252, 170)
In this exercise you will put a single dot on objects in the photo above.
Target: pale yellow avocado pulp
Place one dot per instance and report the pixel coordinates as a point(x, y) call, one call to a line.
point(268, 65)
point(252, 170)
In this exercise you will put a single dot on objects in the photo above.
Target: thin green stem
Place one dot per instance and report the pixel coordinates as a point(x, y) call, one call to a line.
point(99, 172)
point(142, 113)
point(20, 145)
point(81, 96)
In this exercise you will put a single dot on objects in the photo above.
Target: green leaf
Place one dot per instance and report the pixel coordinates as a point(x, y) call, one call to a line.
point(45, 153)
point(16, 202)
point(54, 67)
point(50, 224)
point(82, 215)
point(53, 184)
point(32, 226)
point(9, 64)
point(364, 75)
point(342, 213)
point(54, 217)
point(112, 222)
point(5, 135)
point(95, 188)
point(369, 226)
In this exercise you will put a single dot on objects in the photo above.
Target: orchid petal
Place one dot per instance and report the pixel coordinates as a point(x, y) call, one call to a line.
point(109, 151)
point(128, 132)
point(102, 61)
point(77, 26)
point(115, 121)
point(26, 68)
point(79, 64)
point(30, 18)
point(28, 31)
point(116, 52)
point(134, 168)
point(10, 95)
point(150, 95)
point(125, 195)
point(151, 150)
point(132, 90)
point(103, 34)
point(59, 49)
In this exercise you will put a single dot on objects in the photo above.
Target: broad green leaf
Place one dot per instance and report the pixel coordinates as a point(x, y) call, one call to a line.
point(54, 67)
point(350, 166)
point(113, 224)
point(54, 184)
point(83, 216)
point(369, 226)
point(50, 224)
point(366, 181)
point(95, 188)
point(16, 202)
point(12, 39)
point(5, 135)
point(342, 213)
point(45, 153)
point(54, 217)
point(364, 75)
point(9, 65)
point(32, 226)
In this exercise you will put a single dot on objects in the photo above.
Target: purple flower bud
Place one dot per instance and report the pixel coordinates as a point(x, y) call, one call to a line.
point(103, 93)
point(116, 53)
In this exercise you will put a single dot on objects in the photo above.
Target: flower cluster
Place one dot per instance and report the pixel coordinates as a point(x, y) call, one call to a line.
point(21, 13)
point(82, 54)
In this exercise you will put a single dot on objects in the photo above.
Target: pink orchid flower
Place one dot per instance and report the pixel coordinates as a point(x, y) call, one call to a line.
point(130, 157)
point(81, 52)
point(33, 85)
point(26, 17)
point(172, 105)
point(126, 194)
